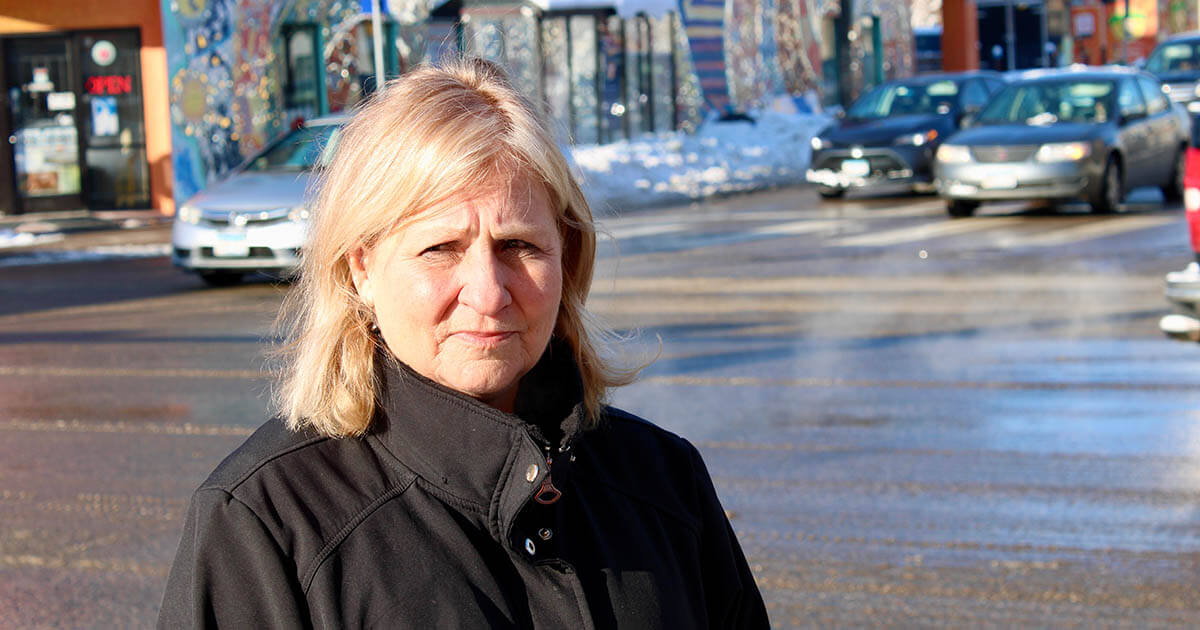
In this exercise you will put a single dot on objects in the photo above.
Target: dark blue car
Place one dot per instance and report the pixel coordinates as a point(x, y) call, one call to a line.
point(891, 133)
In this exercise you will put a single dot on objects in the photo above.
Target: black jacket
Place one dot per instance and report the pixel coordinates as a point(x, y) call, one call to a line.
point(431, 520)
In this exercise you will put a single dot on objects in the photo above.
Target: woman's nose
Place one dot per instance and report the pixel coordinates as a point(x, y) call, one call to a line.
point(484, 283)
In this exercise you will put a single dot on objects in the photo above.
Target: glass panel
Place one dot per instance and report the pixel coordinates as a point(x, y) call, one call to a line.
point(114, 131)
point(583, 79)
point(554, 43)
point(301, 50)
point(42, 101)
point(661, 70)
point(613, 64)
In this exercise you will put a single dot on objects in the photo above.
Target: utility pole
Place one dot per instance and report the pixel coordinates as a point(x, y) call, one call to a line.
point(1010, 36)
point(377, 38)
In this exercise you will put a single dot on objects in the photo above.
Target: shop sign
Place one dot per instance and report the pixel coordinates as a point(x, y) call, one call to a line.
point(104, 53)
point(111, 84)
point(60, 101)
point(104, 116)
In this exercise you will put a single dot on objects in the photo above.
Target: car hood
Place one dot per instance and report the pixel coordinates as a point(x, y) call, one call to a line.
point(254, 191)
point(877, 131)
point(1014, 135)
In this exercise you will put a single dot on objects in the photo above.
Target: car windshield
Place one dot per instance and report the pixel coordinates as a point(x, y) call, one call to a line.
point(301, 150)
point(1176, 57)
point(1050, 102)
point(898, 99)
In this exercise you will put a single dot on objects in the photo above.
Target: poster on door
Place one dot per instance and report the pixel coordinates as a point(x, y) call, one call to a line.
point(104, 116)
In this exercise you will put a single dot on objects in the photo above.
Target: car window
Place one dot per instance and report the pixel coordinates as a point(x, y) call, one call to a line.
point(302, 149)
point(1156, 101)
point(1129, 99)
point(974, 94)
point(1175, 57)
point(1051, 102)
point(898, 99)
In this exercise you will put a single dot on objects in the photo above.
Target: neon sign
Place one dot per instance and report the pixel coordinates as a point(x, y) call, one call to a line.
point(113, 84)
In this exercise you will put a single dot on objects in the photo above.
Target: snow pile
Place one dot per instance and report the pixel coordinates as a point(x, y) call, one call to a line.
point(723, 157)
point(13, 238)
point(91, 254)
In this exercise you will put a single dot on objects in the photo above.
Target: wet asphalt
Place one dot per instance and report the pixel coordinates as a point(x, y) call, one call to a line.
point(912, 421)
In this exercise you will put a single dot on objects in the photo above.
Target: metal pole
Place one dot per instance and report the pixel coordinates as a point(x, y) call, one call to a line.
point(1045, 11)
point(377, 39)
point(1125, 34)
point(1010, 38)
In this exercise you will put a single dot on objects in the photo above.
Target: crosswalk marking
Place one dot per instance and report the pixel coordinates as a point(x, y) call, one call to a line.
point(1087, 231)
point(925, 231)
point(850, 227)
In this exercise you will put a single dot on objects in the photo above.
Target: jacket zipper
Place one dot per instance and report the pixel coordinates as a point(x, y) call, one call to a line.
point(548, 494)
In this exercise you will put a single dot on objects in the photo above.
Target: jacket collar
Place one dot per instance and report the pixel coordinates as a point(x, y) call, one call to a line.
point(470, 450)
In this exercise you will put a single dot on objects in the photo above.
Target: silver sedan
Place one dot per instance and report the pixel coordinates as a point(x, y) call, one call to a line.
point(255, 219)
point(1080, 133)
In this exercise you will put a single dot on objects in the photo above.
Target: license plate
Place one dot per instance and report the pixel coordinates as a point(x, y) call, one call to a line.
point(999, 182)
point(856, 168)
point(231, 246)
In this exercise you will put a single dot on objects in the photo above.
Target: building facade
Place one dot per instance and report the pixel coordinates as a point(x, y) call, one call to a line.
point(192, 88)
point(85, 107)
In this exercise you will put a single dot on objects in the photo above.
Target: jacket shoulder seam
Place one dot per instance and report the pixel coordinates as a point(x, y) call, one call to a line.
point(324, 554)
point(233, 486)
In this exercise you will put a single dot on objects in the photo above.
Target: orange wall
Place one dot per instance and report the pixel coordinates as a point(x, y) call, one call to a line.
point(36, 16)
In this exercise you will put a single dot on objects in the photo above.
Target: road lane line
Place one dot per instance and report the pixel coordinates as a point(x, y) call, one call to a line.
point(793, 227)
point(889, 285)
point(925, 232)
point(1087, 231)
point(153, 428)
point(38, 370)
point(748, 381)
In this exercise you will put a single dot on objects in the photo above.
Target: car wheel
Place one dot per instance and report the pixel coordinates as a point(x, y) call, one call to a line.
point(221, 278)
point(1111, 193)
point(959, 208)
point(1173, 189)
point(828, 192)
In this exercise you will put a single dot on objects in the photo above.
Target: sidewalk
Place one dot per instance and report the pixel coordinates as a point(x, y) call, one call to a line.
point(82, 235)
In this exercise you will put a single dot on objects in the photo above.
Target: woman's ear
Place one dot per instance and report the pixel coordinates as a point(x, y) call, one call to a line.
point(357, 259)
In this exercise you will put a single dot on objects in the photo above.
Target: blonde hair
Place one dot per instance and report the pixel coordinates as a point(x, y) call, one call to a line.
point(426, 136)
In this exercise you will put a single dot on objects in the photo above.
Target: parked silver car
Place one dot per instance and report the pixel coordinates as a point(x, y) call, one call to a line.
point(1063, 134)
point(256, 218)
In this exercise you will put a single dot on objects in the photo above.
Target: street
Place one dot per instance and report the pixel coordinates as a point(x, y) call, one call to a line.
point(912, 421)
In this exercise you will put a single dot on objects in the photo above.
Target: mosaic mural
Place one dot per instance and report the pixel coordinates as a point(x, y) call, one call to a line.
point(224, 62)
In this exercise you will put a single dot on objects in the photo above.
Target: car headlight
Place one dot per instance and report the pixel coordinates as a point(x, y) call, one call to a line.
point(953, 154)
point(299, 214)
point(917, 139)
point(1064, 152)
point(188, 214)
point(819, 143)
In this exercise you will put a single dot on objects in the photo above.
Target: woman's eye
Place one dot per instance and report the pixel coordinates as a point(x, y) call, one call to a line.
point(519, 245)
point(437, 249)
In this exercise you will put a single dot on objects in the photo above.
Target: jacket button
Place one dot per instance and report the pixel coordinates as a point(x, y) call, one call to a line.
point(529, 548)
point(545, 533)
point(531, 473)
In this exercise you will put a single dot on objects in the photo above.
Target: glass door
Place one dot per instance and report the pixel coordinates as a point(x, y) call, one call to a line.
point(116, 174)
point(42, 107)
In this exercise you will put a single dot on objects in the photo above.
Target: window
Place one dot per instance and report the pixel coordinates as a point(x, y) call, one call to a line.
point(1156, 101)
point(301, 85)
point(1129, 99)
point(974, 94)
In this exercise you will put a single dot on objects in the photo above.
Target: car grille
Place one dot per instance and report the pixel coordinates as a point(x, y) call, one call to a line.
point(994, 154)
point(221, 219)
point(880, 163)
point(1182, 92)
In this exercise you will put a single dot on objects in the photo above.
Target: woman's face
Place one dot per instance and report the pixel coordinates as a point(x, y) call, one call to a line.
point(467, 293)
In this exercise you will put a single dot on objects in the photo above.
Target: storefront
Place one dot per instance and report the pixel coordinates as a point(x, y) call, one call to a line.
point(84, 130)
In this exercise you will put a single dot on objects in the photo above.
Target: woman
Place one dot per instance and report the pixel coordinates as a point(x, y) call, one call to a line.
point(443, 456)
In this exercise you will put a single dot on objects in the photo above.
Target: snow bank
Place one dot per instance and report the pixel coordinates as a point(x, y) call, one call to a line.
point(723, 157)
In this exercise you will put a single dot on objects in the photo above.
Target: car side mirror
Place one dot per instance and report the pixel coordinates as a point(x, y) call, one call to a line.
point(968, 116)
